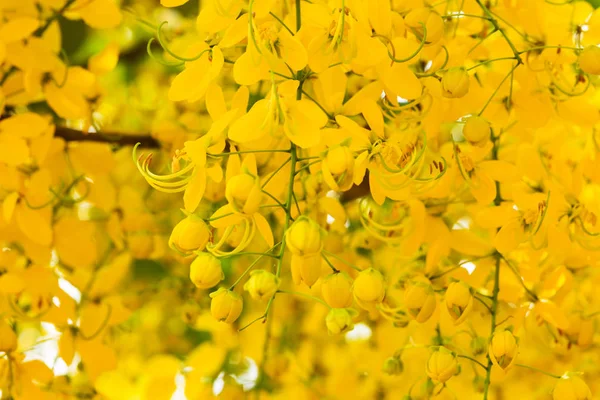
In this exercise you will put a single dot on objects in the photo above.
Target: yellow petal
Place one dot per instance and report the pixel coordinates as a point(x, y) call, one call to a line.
point(172, 3)
point(250, 68)
point(18, 29)
point(105, 61)
point(251, 126)
point(8, 206)
point(13, 150)
point(27, 125)
point(101, 14)
point(292, 51)
point(509, 237)
point(195, 190)
point(264, 228)
point(399, 80)
point(235, 33)
point(34, 224)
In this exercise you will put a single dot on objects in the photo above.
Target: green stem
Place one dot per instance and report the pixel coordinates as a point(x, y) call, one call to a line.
point(497, 27)
point(275, 173)
point(472, 359)
point(252, 265)
point(348, 263)
point(494, 311)
point(498, 88)
point(490, 61)
point(308, 296)
point(334, 269)
point(281, 22)
point(538, 370)
point(246, 152)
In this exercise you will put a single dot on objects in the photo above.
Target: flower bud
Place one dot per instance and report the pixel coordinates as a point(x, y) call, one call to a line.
point(338, 167)
point(459, 301)
point(420, 301)
point(442, 365)
point(337, 290)
point(589, 60)
point(262, 284)
point(226, 305)
point(190, 234)
point(455, 82)
point(243, 193)
point(503, 350)
point(306, 269)
point(206, 271)
point(477, 130)
point(393, 366)
point(304, 237)
point(8, 338)
point(369, 288)
point(571, 388)
point(339, 320)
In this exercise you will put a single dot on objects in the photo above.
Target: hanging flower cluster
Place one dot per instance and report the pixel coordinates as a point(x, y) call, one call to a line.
point(341, 199)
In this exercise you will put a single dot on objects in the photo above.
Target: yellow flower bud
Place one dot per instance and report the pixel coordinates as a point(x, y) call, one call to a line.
point(262, 284)
point(571, 388)
point(503, 350)
point(304, 237)
point(339, 160)
point(8, 338)
point(306, 269)
point(243, 193)
point(393, 366)
point(420, 301)
point(369, 288)
point(339, 320)
point(459, 301)
point(206, 271)
point(455, 82)
point(190, 234)
point(338, 168)
point(442, 365)
point(226, 305)
point(477, 130)
point(589, 60)
point(337, 290)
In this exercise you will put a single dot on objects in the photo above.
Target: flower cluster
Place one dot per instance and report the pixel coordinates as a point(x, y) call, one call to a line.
point(337, 199)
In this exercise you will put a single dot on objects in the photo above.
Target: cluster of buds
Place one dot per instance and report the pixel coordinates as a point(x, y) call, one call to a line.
point(304, 239)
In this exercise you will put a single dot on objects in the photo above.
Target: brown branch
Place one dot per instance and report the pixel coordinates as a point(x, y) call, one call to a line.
point(72, 135)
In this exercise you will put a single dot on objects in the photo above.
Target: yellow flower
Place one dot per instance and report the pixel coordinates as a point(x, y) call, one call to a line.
point(420, 301)
point(369, 288)
point(206, 271)
point(442, 365)
point(190, 234)
point(280, 112)
point(337, 290)
point(339, 320)
point(589, 60)
point(459, 301)
point(304, 237)
point(226, 305)
point(503, 350)
point(477, 130)
point(244, 193)
point(306, 268)
point(8, 338)
point(455, 82)
point(571, 388)
point(262, 284)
